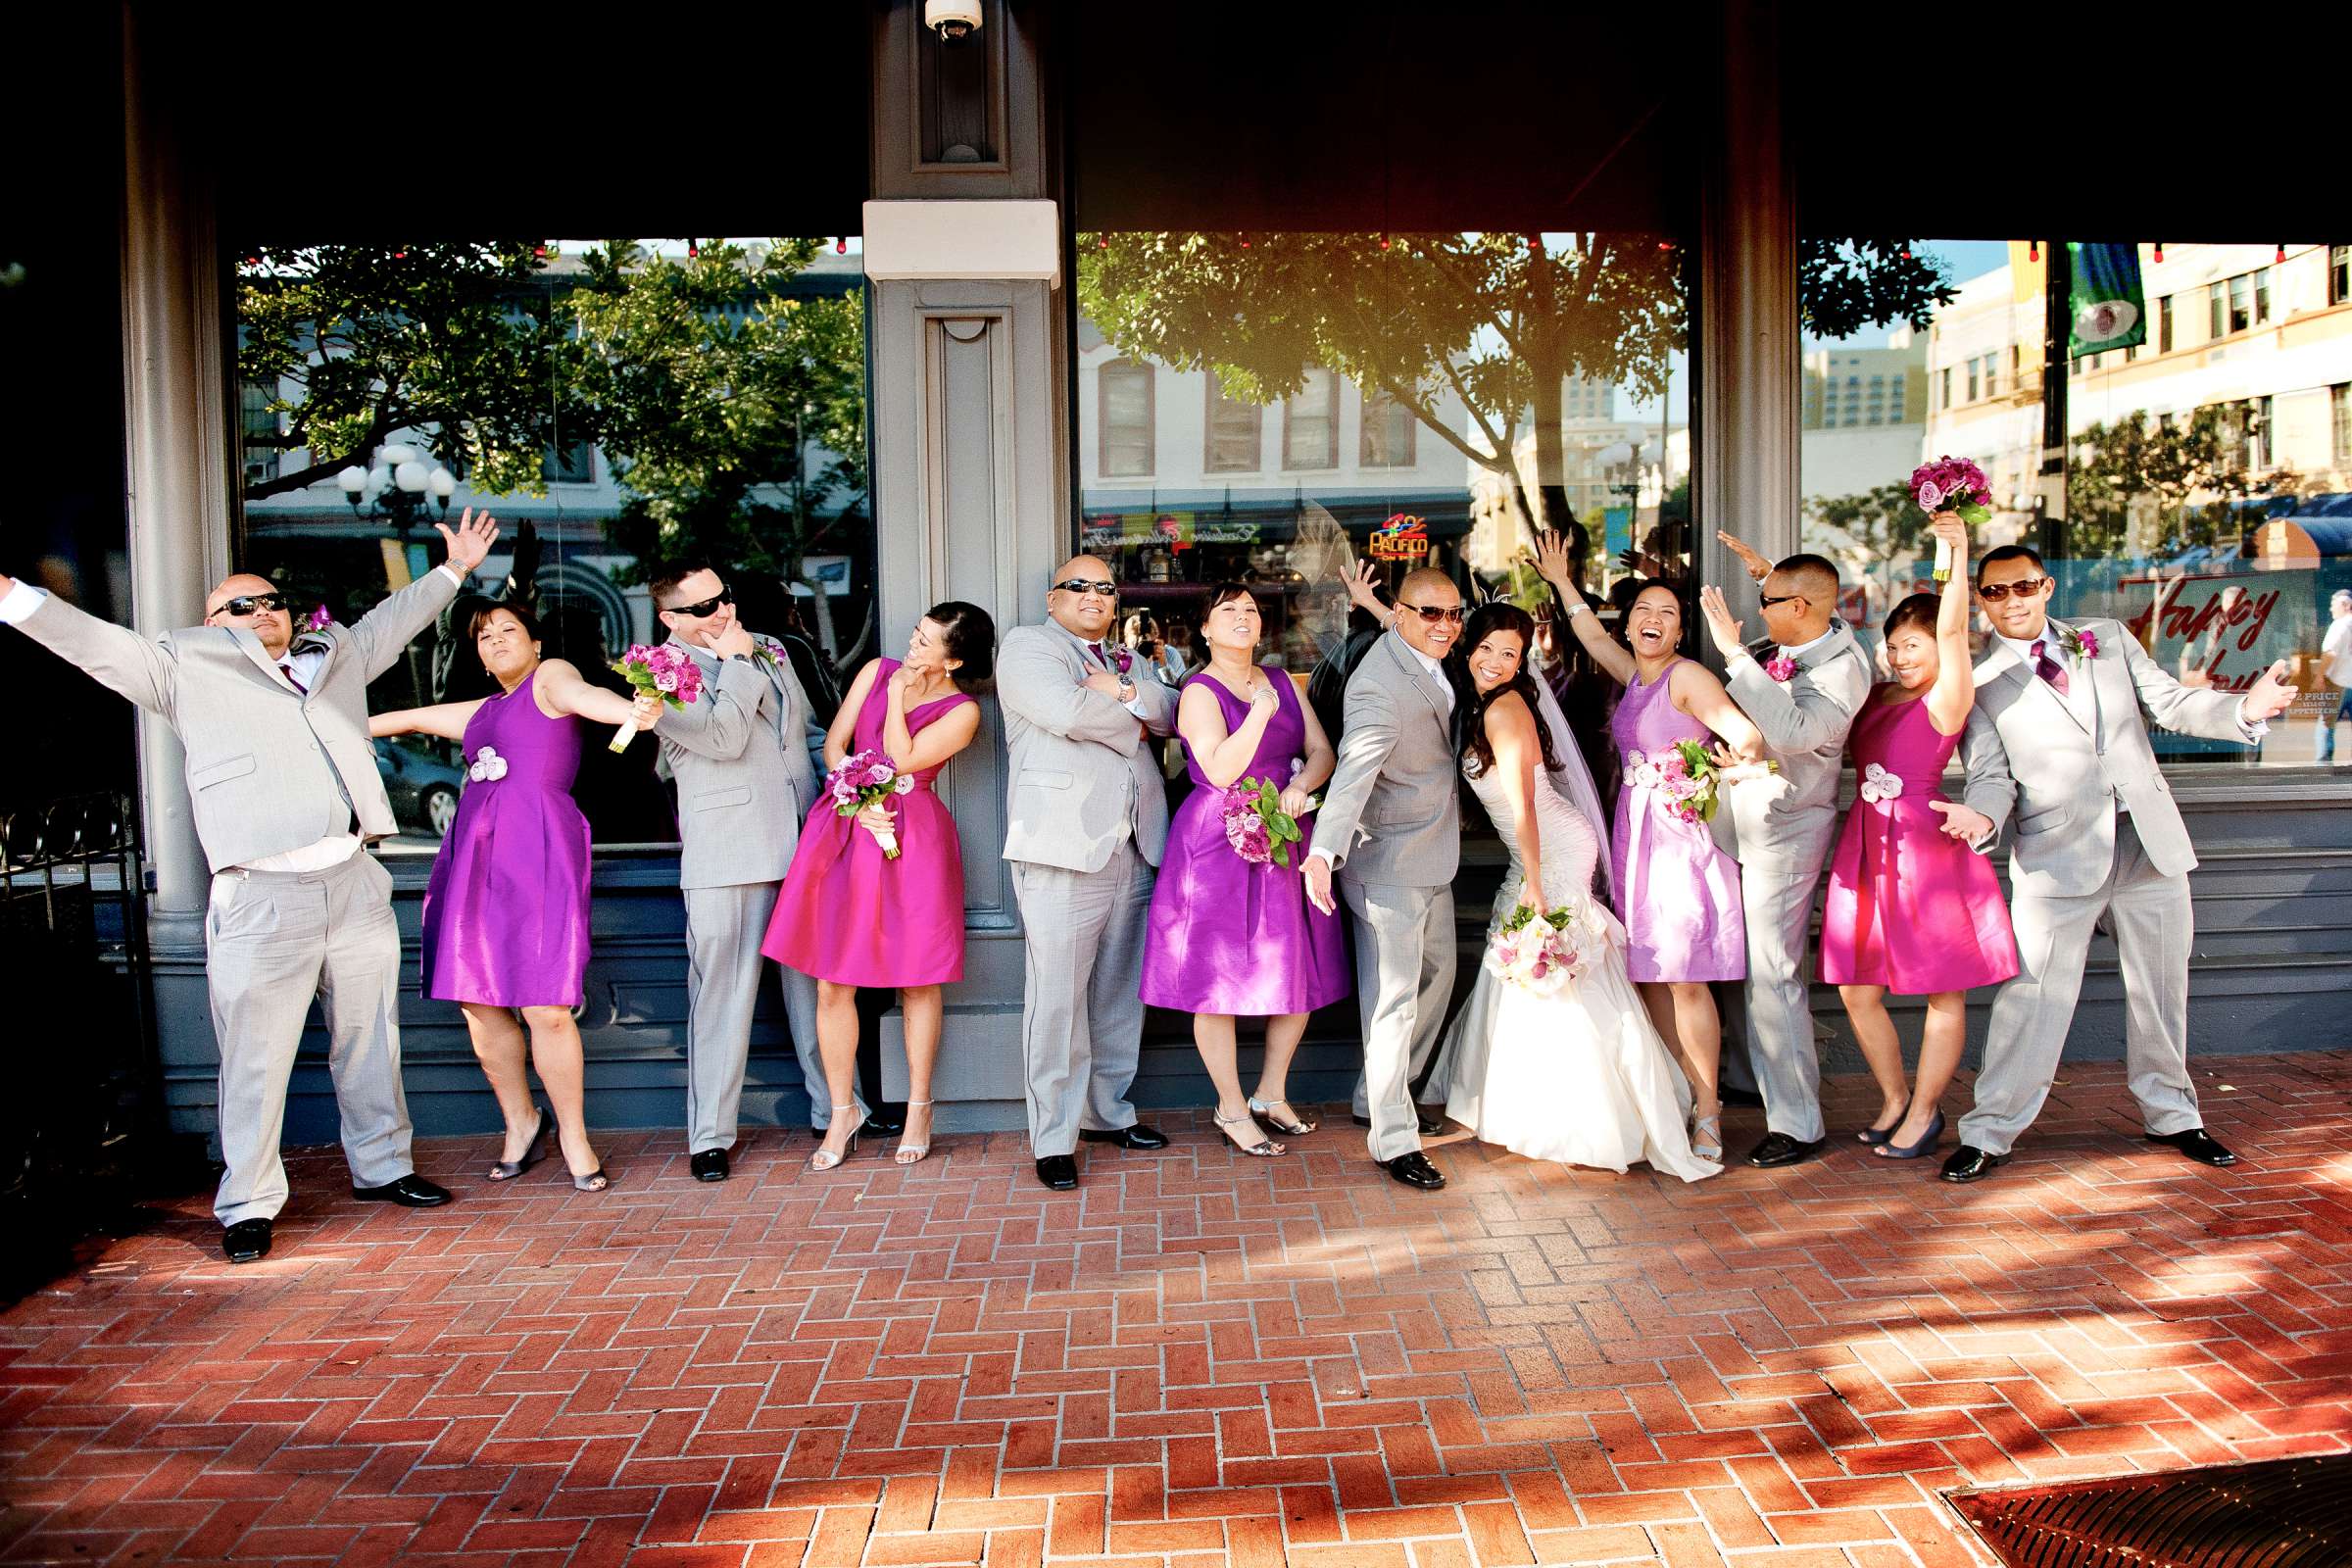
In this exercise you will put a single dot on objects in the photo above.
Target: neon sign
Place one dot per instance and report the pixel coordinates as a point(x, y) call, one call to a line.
point(1403, 537)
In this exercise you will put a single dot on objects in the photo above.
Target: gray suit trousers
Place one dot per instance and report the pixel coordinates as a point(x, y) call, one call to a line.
point(273, 941)
point(2154, 924)
point(724, 927)
point(1082, 1007)
point(1779, 905)
point(1404, 942)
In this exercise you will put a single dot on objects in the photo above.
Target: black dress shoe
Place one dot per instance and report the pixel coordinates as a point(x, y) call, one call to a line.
point(1746, 1099)
point(410, 1192)
point(1779, 1148)
point(1969, 1163)
point(1058, 1171)
point(883, 1121)
point(246, 1241)
point(2198, 1144)
point(1428, 1123)
point(1137, 1136)
point(1414, 1170)
point(707, 1164)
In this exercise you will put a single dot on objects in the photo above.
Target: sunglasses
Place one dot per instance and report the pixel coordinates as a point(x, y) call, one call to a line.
point(1432, 614)
point(1767, 601)
point(707, 607)
point(1079, 585)
point(253, 604)
point(1992, 593)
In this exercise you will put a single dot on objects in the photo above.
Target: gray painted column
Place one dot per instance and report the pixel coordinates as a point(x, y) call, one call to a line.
point(175, 418)
point(1748, 354)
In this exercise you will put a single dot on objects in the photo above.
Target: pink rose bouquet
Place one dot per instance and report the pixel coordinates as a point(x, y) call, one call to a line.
point(1255, 824)
point(1547, 953)
point(863, 779)
point(669, 673)
point(1951, 484)
point(1689, 778)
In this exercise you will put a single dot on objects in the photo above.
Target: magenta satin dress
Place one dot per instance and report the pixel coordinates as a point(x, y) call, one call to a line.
point(1227, 935)
point(1908, 907)
point(1677, 893)
point(850, 915)
point(505, 914)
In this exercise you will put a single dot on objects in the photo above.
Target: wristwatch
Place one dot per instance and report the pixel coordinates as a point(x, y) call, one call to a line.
point(1126, 689)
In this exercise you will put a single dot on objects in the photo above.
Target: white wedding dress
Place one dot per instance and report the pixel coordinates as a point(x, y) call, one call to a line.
point(1580, 1077)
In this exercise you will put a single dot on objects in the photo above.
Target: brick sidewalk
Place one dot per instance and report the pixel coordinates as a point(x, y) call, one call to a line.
point(1197, 1359)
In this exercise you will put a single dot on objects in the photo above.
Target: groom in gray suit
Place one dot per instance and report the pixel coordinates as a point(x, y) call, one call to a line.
point(745, 783)
point(1802, 696)
point(2056, 744)
point(1087, 821)
point(283, 779)
point(1396, 789)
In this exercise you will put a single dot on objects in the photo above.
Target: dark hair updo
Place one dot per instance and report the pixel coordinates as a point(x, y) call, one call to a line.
point(1218, 593)
point(1919, 610)
point(1470, 716)
point(969, 637)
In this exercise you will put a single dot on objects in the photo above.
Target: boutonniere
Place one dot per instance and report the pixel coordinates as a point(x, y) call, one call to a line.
point(2081, 644)
point(1121, 660)
point(1880, 785)
point(317, 620)
point(1782, 669)
point(769, 650)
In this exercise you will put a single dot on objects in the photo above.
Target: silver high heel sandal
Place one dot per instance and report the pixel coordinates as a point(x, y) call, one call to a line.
point(1265, 1110)
point(911, 1153)
point(1264, 1149)
point(825, 1158)
point(1706, 1137)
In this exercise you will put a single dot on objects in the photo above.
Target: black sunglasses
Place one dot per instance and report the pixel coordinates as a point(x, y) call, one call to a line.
point(1079, 585)
point(709, 606)
point(1432, 614)
point(250, 604)
point(1992, 593)
point(1767, 601)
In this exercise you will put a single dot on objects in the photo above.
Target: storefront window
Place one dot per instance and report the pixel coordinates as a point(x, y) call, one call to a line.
point(2205, 496)
point(616, 404)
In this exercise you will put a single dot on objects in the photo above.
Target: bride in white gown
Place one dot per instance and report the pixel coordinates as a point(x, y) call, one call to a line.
point(1579, 1076)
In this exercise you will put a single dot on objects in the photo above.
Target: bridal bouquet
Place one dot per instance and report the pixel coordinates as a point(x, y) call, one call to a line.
point(863, 779)
point(1547, 953)
point(1951, 484)
point(1255, 824)
point(663, 671)
point(1691, 780)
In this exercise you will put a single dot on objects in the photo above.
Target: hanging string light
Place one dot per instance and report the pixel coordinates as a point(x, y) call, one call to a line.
point(2033, 250)
point(693, 250)
point(2282, 256)
point(841, 246)
point(2160, 252)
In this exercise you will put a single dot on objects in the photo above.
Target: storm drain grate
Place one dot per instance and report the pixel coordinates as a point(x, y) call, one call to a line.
point(2284, 1513)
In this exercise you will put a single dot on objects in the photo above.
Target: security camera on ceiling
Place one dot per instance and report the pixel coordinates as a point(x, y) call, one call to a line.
point(952, 19)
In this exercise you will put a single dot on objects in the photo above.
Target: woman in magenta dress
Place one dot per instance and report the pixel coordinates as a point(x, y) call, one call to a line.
point(854, 915)
point(505, 914)
point(1232, 938)
point(1911, 909)
point(1676, 891)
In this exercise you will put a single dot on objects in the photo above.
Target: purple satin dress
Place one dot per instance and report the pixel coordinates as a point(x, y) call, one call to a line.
point(1678, 894)
point(506, 915)
point(1227, 935)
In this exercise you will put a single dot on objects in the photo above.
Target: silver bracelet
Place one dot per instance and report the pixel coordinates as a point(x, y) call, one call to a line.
point(1579, 607)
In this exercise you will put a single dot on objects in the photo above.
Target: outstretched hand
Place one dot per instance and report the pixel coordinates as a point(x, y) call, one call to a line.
point(1316, 874)
point(1722, 625)
point(470, 543)
point(1552, 560)
point(2269, 695)
point(1961, 822)
point(1357, 581)
point(1757, 566)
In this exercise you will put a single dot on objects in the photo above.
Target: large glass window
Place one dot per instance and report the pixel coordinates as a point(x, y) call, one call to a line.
point(616, 404)
point(2204, 501)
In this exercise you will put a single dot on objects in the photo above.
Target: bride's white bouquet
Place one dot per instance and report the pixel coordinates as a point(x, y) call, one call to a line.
point(1550, 952)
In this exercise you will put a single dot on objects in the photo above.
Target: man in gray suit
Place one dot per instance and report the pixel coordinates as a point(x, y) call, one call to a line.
point(282, 778)
point(2056, 742)
point(745, 783)
point(1802, 696)
point(1088, 818)
point(1397, 791)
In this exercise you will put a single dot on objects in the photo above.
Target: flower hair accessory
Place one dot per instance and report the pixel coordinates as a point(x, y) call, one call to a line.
point(487, 765)
point(2080, 644)
point(1782, 668)
point(1879, 785)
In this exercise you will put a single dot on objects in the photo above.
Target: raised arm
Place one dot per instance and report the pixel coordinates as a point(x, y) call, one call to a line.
point(445, 719)
point(1034, 685)
point(1224, 756)
point(564, 692)
point(115, 657)
point(382, 632)
point(1552, 565)
point(1693, 689)
point(943, 738)
point(1797, 716)
point(1955, 690)
point(1511, 732)
point(844, 729)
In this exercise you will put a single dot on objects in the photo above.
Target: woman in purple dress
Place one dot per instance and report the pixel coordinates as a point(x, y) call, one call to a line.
point(1677, 893)
point(506, 915)
point(1911, 909)
point(1231, 937)
point(853, 914)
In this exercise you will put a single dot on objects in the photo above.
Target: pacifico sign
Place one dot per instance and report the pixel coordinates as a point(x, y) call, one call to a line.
point(1403, 537)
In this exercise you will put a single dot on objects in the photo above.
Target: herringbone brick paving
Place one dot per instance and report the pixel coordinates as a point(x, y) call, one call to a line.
point(1194, 1359)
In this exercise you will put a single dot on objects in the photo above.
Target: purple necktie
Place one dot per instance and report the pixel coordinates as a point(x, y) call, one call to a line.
point(1095, 649)
point(2048, 668)
point(287, 669)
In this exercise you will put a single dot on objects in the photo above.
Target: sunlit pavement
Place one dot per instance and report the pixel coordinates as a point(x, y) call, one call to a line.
point(1197, 1358)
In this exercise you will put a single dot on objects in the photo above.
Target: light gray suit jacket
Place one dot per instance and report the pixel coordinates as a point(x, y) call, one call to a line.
point(2065, 765)
point(744, 777)
point(1081, 777)
point(262, 763)
point(1784, 821)
point(1393, 813)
